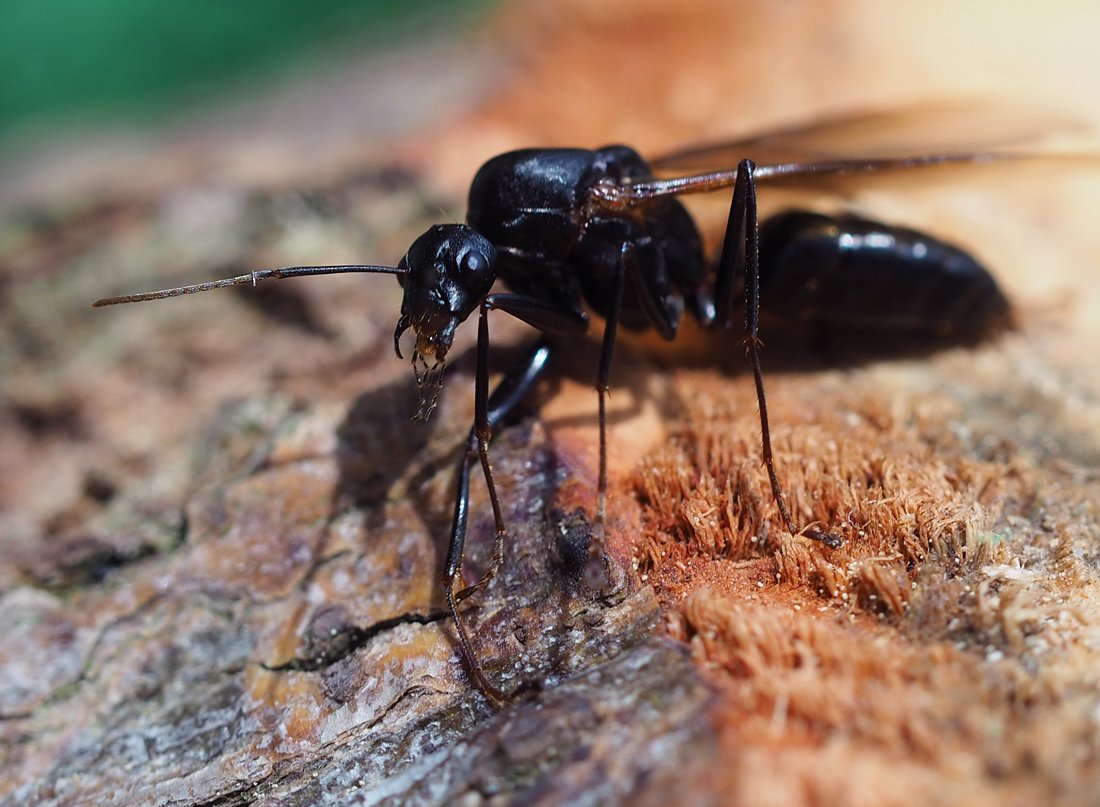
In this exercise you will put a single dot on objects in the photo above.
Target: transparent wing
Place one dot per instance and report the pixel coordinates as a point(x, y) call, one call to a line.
point(824, 156)
point(954, 127)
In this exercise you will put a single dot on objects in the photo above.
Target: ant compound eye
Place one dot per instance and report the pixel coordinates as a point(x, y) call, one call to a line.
point(474, 263)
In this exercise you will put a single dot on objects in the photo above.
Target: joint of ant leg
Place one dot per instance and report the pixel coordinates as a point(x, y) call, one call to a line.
point(607, 195)
point(462, 595)
point(827, 538)
point(753, 341)
point(450, 574)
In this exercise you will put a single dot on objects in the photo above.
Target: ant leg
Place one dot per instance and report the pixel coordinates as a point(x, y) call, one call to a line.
point(489, 412)
point(546, 317)
point(741, 255)
point(607, 349)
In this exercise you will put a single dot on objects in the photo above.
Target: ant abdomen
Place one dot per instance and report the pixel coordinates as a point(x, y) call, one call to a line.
point(856, 273)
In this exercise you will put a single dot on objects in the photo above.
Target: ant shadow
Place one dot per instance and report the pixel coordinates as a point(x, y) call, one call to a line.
point(789, 348)
point(807, 347)
point(380, 447)
point(379, 443)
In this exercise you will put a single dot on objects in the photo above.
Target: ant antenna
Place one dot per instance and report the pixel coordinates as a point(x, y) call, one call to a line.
point(251, 277)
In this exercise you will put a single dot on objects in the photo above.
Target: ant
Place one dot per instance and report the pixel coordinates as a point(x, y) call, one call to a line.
point(575, 232)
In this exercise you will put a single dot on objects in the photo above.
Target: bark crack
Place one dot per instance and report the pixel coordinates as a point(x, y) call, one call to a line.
point(345, 642)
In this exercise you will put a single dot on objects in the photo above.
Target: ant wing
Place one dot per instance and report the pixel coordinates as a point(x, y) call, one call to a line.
point(929, 128)
point(820, 176)
point(822, 155)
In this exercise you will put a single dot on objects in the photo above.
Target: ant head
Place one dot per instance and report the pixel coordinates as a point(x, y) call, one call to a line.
point(446, 274)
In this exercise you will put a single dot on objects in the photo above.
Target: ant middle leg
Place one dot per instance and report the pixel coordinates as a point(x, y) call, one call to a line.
point(607, 350)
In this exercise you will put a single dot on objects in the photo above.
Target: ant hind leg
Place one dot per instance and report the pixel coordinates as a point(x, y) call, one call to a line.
point(741, 257)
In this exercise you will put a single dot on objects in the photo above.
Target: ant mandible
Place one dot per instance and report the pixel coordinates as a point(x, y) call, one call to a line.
point(573, 231)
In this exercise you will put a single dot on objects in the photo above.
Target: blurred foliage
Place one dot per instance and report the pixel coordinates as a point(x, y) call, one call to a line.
point(71, 61)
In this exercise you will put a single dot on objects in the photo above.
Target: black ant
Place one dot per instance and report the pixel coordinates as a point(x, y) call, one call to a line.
point(573, 231)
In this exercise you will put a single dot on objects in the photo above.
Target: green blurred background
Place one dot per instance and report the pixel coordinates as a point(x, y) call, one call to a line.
point(69, 63)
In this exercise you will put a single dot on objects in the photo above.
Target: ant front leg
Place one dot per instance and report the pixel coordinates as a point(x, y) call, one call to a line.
point(741, 257)
point(489, 412)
